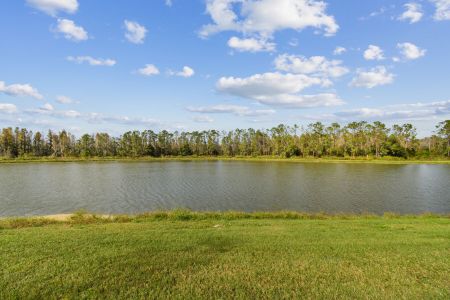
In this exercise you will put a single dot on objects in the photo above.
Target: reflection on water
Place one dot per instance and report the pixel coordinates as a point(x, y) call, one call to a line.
point(38, 189)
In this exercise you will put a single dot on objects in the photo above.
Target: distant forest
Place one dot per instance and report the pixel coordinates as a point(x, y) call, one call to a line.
point(356, 139)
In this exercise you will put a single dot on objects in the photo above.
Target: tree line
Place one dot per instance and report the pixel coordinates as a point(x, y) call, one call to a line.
point(356, 139)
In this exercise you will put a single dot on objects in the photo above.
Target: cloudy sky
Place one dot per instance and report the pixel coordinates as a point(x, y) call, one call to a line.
point(118, 65)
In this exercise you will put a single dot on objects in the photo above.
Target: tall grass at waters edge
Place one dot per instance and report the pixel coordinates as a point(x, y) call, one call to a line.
point(84, 218)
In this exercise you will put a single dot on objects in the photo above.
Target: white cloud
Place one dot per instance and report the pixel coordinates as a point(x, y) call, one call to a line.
point(242, 111)
point(267, 84)
point(374, 77)
point(48, 107)
point(250, 45)
point(442, 10)
point(304, 101)
point(52, 7)
point(49, 110)
point(203, 119)
point(124, 120)
point(91, 117)
point(373, 53)
point(410, 51)
point(135, 33)
point(8, 108)
point(315, 65)
point(71, 31)
point(439, 110)
point(265, 17)
point(413, 13)
point(168, 2)
point(65, 100)
point(361, 113)
point(277, 89)
point(92, 61)
point(68, 113)
point(339, 51)
point(220, 108)
point(377, 13)
point(412, 111)
point(293, 42)
point(186, 72)
point(148, 70)
point(20, 90)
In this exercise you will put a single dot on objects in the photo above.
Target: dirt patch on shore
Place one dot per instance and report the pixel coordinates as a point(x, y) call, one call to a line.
point(68, 217)
point(58, 217)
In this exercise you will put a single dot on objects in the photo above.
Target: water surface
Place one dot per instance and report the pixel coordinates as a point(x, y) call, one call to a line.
point(119, 187)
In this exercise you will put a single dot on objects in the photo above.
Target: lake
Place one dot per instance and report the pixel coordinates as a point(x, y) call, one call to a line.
point(124, 187)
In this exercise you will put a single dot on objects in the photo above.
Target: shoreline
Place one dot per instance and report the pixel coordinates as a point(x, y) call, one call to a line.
point(80, 218)
point(227, 159)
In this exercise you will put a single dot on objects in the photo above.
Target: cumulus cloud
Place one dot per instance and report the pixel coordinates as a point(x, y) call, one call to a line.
point(231, 109)
point(8, 108)
point(264, 17)
point(277, 89)
point(92, 61)
point(19, 90)
point(148, 70)
point(135, 33)
point(410, 51)
point(65, 100)
point(52, 7)
point(374, 77)
point(339, 50)
point(250, 45)
point(442, 10)
point(71, 31)
point(186, 72)
point(413, 13)
point(314, 65)
point(268, 84)
point(373, 53)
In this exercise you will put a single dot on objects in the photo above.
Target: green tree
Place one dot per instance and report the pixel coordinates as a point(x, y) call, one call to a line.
point(378, 133)
point(443, 129)
point(86, 145)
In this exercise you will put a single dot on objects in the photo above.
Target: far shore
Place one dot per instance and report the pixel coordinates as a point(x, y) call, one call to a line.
point(372, 160)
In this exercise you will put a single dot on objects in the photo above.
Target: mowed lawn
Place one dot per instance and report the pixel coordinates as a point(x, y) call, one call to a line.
point(368, 258)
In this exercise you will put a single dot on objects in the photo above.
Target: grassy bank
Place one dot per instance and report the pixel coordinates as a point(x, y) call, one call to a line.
point(385, 160)
point(183, 255)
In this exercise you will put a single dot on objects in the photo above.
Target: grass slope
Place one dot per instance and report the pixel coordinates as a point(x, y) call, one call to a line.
point(184, 255)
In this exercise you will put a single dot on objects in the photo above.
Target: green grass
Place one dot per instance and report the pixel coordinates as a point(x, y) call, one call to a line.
point(384, 160)
point(186, 255)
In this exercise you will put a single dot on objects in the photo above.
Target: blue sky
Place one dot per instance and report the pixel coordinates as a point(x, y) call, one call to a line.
point(189, 65)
